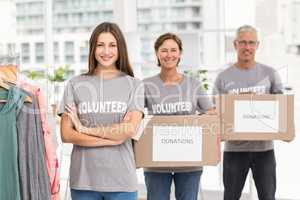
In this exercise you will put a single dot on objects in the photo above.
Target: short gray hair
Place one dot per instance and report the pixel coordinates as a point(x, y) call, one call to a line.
point(245, 28)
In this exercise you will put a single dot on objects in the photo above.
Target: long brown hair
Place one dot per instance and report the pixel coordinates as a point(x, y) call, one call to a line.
point(122, 62)
point(166, 36)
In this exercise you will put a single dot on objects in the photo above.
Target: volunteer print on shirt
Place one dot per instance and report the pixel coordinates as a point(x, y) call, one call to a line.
point(102, 107)
point(186, 98)
point(103, 102)
point(260, 79)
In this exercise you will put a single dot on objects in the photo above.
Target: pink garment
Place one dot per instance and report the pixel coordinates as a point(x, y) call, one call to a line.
point(50, 150)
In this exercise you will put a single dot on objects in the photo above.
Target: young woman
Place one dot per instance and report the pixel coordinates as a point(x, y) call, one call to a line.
point(172, 93)
point(95, 110)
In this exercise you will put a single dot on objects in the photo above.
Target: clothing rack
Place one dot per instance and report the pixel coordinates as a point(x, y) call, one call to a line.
point(35, 177)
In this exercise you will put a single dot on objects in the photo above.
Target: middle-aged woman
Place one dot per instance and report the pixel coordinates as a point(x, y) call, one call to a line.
point(172, 93)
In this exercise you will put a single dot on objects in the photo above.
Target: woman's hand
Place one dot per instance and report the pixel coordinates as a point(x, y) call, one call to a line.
point(72, 113)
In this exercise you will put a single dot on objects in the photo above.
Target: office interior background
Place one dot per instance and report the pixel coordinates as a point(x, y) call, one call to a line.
point(49, 37)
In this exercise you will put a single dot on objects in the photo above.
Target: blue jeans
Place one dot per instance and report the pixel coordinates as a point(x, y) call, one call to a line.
point(236, 166)
point(94, 195)
point(159, 185)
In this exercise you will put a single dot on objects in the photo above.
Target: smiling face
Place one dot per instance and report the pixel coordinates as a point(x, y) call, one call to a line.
point(168, 54)
point(106, 52)
point(246, 45)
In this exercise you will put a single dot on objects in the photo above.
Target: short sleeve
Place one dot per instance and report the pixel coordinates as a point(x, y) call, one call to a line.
point(217, 89)
point(203, 101)
point(67, 99)
point(137, 97)
point(276, 84)
point(146, 103)
point(217, 86)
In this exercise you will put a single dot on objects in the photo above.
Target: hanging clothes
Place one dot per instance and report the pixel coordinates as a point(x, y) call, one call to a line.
point(9, 173)
point(33, 171)
point(50, 149)
point(37, 161)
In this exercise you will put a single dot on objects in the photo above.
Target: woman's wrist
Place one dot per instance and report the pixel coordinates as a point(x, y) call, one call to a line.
point(82, 129)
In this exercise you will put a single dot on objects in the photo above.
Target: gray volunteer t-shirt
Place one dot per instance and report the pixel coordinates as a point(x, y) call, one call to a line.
point(186, 98)
point(103, 102)
point(260, 79)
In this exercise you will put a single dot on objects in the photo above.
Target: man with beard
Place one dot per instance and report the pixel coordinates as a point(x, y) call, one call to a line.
point(240, 156)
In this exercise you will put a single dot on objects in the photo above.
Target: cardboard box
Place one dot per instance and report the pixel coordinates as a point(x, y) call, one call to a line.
point(257, 117)
point(179, 141)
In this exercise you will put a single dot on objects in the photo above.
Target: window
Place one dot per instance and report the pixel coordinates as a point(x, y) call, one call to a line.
point(69, 48)
point(21, 20)
point(57, 30)
point(69, 59)
point(77, 18)
point(156, 27)
point(178, 12)
point(93, 16)
point(106, 3)
point(80, 17)
point(143, 27)
point(56, 52)
point(11, 48)
point(69, 52)
point(107, 15)
point(76, 3)
point(38, 7)
point(62, 18)
point(39, 52)
point(84, 51)
point(25, 49)
point(162, 13)
point(181, 26)
point(35, 20)
point(33, 31)
point(145, 3)
point(196, 11)
point(144, 14)
point(196, 25)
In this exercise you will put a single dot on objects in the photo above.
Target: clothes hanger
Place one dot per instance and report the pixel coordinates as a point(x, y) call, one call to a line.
point(4, 85)
point(8, 74)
